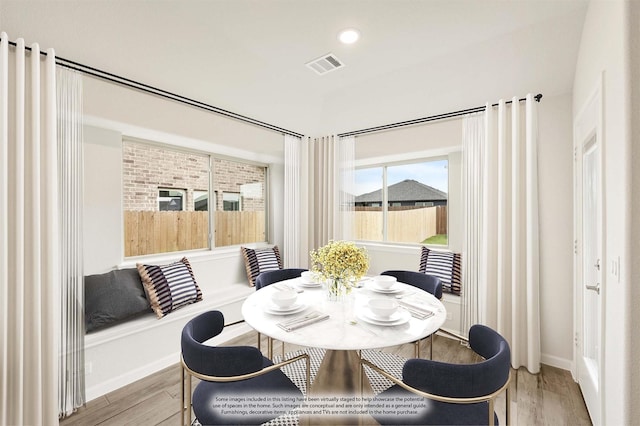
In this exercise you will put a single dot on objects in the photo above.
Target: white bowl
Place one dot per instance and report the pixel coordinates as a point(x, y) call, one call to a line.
point(383, 308)
point(284, 298)
point(308, 277)
point(384, 282)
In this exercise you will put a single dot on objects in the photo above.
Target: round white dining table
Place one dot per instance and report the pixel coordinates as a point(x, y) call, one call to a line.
point(350, 327)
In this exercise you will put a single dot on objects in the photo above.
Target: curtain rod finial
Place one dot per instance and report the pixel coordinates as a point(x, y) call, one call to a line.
point(538, 97)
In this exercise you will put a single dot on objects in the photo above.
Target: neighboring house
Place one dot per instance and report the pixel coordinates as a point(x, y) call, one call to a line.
point(408, 193)
point(162, 179)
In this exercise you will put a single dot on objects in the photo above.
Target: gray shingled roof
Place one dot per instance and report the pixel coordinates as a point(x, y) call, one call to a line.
point(407, 190)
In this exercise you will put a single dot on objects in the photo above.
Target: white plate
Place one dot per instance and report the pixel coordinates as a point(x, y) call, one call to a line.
point(276, 310)
point(391, 290)
point(399, 317)
point(305, 283)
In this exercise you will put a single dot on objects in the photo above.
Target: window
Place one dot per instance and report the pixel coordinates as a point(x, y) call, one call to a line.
point(168, 207)
point(404, 202)
point(170, 199)
point(240, 215)
point(230, 201)
point(201, 200)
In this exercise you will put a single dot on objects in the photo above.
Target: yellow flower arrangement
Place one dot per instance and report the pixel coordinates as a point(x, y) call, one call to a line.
point(342, 262)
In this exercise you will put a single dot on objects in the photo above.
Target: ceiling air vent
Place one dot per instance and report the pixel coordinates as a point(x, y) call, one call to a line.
point(325, 64)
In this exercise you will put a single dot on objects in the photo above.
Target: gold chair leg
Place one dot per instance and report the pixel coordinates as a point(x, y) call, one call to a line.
point(182, 385)
point(188, 405)
point(282, 351)
point(431, 346)
point(416, 349)
point(270, 347)
point(491, 412)
point(259, 342)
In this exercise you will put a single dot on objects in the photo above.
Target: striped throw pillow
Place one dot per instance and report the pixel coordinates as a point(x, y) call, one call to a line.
point(444, 265)
point(260, 260)
point(169, 287)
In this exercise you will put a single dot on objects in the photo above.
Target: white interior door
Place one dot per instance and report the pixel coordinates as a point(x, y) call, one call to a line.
point(589, 256)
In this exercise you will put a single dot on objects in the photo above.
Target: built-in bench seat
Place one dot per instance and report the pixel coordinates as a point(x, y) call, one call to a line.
point(123, 353)
point(120, 354)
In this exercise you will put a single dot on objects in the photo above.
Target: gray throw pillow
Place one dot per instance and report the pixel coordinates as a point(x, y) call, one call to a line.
point(112, 297)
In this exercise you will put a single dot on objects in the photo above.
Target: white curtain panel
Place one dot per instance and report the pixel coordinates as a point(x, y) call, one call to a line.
point(292, 202)
point(331, 189)
point(502, 258)
point(71, 391)
point(347, 185)
point(29, 271)
point(472, 177)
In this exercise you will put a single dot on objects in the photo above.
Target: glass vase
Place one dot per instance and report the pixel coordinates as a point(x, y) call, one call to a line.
point(337, 289)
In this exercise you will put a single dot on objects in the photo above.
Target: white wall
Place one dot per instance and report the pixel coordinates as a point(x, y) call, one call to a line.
point(138, 114)
point(555, 179)
point(604, 55)
point(103, 228)
point(634, 365)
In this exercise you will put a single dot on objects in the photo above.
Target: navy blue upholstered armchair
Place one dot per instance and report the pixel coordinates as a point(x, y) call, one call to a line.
point(455, 394)
point(270, 277)
point(430, 284)
point(227, 371)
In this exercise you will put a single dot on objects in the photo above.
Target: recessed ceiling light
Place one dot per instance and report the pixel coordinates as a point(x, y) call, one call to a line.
point(349, 36)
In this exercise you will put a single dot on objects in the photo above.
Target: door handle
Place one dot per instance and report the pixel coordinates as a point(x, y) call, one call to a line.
point(595, 288)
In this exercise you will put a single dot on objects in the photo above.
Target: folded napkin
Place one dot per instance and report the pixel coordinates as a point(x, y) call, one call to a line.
point(303, 321)
point(416, 310)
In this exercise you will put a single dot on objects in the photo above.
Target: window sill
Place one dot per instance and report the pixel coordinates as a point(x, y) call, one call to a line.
point(400, 247)
point(192, 255)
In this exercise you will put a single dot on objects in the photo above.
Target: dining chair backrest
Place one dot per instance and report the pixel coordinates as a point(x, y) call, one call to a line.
point(464, 380)
point(429, 283)
point(461, 394)
point(215, 360)
point(269, 277)
point(229, 371)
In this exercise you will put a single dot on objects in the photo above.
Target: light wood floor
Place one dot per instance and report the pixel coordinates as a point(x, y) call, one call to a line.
point(548, 398)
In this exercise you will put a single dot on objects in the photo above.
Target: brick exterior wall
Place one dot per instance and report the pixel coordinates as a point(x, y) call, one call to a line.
point(147, 168)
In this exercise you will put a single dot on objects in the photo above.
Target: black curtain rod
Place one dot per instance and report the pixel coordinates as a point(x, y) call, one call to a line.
point(427, 119)
point(67, 63)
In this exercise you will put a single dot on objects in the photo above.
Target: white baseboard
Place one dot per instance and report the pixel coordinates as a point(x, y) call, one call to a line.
point(554, 361)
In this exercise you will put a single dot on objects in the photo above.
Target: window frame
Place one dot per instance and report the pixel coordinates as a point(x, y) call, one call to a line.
point(183, 197)
point(384, 165)
point(239, 201)
point(212, 194)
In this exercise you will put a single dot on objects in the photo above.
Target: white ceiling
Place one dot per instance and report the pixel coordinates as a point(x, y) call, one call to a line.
point(415, 57)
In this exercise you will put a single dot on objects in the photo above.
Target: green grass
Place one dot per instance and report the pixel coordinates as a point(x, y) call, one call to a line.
point(440, 239)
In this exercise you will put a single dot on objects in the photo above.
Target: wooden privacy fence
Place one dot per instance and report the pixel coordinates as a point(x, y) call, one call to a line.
point(403, 225)
point(239, 227)
point(149, 232)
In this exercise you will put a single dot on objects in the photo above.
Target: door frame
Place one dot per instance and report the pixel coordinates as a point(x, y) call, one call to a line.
point(588, 123)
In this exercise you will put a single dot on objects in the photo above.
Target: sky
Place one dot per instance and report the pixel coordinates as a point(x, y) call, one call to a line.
point(432, 173)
